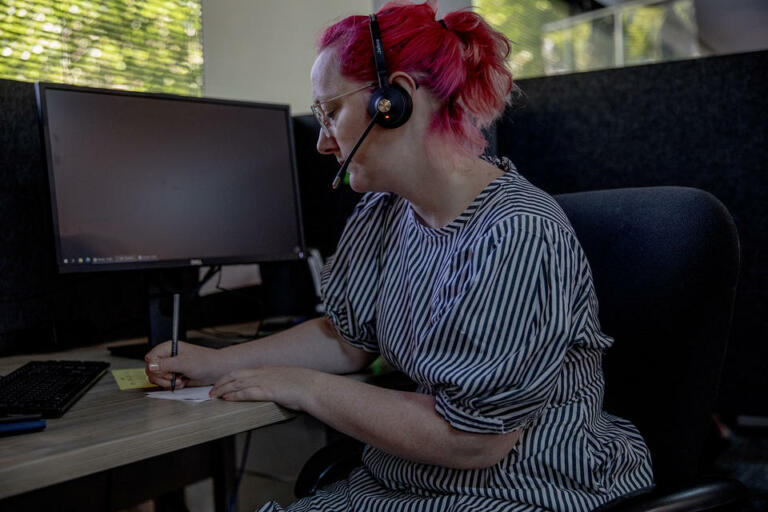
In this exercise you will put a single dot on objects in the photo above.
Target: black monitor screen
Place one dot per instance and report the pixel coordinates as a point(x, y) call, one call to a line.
point(142, 180)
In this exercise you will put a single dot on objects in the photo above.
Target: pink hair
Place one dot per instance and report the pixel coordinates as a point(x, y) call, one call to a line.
point(463, 64)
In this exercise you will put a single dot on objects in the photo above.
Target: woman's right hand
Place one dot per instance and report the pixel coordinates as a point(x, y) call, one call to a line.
point(194, 365)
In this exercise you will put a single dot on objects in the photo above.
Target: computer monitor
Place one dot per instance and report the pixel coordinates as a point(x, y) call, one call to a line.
point(156, 181)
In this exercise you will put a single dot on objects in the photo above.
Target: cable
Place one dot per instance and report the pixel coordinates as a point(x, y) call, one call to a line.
point(233, 336)
point(235, 292)
point(207, 277)
point(233, 497)
point(269, 476)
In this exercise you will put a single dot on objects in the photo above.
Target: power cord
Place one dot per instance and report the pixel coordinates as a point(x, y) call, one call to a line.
point(244, 458)
point(235, 292)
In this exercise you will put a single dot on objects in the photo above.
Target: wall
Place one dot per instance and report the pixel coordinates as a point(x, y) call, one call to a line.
point(264, 50)
point(443, 6)
point(733, 26)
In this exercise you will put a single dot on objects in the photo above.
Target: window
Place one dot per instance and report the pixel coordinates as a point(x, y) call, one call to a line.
point(633, 33)
point(557, 36)
point(139, 45)
point(522, 21)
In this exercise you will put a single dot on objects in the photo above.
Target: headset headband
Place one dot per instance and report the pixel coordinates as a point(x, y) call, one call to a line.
point(378, 52)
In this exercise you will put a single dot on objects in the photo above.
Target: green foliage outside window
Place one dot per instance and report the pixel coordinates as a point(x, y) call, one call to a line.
point(139, 45)
point(655, 33)
point(548, 40)
point(522, 21)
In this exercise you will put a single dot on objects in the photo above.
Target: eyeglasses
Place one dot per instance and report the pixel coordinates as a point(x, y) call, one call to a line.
point(319, 111)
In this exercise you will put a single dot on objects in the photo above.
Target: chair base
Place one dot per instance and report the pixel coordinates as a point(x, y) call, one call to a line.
point(720, 495)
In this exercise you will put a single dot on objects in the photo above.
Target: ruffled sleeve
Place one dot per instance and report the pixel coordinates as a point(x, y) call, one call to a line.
point(497, 350)
point(350, 278)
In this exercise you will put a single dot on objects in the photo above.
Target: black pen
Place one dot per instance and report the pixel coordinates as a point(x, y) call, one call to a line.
point(175, 339)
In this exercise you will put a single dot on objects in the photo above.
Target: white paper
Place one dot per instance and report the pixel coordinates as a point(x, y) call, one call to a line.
point(199, 394)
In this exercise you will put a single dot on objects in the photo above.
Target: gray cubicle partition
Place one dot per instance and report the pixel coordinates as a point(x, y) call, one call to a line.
point(699, 123)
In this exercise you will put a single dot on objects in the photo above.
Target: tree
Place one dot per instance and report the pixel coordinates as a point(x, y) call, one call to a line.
point(521, 21)
point(140, 45)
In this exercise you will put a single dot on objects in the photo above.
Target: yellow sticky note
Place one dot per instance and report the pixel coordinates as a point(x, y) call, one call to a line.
point(134, 378)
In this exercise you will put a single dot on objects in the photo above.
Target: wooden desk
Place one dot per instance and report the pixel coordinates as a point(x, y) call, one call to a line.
point(120, 438)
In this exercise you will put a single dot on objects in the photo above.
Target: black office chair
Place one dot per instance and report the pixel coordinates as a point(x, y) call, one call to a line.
point(665, 264)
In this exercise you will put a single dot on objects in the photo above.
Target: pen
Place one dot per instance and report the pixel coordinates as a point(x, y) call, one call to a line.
point(175, 339)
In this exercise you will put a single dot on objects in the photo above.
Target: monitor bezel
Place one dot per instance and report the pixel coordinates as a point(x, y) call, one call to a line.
point(298, 252)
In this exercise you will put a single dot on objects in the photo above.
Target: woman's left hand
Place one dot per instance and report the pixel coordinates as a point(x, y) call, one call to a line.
point(288, 386)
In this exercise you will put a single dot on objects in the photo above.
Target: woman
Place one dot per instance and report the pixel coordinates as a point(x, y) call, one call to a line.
point(459, 273)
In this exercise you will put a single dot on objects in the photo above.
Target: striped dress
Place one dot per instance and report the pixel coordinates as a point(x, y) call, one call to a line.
point(495, 315)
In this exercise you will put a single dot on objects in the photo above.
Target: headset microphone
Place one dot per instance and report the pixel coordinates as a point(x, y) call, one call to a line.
point(390, 105)
point(343, 168)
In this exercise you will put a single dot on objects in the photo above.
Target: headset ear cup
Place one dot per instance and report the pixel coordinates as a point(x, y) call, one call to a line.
point(400, 109)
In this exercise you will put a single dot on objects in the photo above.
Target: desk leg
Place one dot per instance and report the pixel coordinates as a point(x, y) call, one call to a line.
point(223, 472)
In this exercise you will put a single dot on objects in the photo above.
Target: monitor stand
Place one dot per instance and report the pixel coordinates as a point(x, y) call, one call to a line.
point(161, 285)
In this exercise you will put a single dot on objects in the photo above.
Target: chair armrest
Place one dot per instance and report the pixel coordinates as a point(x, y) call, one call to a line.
point(329, 464)
point(718, 495)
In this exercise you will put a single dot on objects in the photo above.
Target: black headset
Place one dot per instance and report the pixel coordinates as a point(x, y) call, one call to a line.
point(393, 103)
point(390, 105)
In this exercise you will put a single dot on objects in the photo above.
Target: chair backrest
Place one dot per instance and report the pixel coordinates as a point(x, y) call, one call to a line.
point(665, 265)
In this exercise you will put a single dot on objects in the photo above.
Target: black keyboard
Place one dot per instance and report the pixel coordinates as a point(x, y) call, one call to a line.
point(49, 388)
